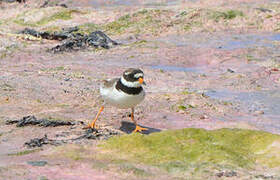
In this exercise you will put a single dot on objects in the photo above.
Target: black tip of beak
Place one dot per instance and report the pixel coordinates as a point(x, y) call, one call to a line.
point(144, 83)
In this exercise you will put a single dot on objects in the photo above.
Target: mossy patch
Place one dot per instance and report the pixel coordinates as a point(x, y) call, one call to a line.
point(119, 25)
point(9, 50)
point(77, 75)
point(130, 168)
point(100, 162)
point(72, 152)
point(62, 15)
point(180, 148)
point(195, 153)
point(88, 28)
point(52, 29)
point(25, 152)
point(226, 15)
point(139, 22)
point(55, 69)
point(155, 21)
point(143, 21)
point(100, 165)
point(182, 107)
point(25, 20)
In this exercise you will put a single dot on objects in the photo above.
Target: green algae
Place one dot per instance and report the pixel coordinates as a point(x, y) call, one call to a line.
point(55, 69)
point(182, 107)
point(180, 148)
point(130, 168)
point(25, 152)
point(120, 25)
point(9, 50)
point(121, 166)
point(185, 107)
point(139, 43)
point(52, 29)
point(155, 21)
point(226, 15)
point(146, 21)
point(100, 165)
point(139, 22)
point(195, 153)
point(60, 15)
point(77, 75)
point(87, 28)
point(72, 152)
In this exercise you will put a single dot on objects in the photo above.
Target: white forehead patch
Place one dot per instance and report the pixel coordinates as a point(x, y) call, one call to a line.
point(138, 75)
point(127, 73)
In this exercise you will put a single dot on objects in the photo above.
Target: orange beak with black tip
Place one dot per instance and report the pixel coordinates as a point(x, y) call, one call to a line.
point(141, 81)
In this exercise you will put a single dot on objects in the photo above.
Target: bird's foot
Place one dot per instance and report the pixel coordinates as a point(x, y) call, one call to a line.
point(91, 126)
point(139, 129)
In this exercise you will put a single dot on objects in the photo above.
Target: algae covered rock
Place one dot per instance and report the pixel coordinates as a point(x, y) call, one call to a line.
point(232, 147)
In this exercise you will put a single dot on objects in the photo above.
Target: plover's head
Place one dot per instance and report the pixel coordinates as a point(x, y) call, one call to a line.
point(133, 77)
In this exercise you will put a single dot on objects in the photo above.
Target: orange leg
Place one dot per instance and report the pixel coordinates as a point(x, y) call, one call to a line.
point(138, 128)
point(92, 124)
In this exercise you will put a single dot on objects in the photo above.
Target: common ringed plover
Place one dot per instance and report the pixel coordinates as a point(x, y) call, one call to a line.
point(125, 92)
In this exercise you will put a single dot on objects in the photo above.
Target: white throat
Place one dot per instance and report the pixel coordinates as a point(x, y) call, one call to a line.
point(130, 84)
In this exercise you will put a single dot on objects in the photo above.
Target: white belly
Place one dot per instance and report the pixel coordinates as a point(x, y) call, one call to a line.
point(119, 99)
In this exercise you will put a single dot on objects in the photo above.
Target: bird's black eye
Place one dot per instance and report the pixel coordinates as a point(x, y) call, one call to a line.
point(132, 76)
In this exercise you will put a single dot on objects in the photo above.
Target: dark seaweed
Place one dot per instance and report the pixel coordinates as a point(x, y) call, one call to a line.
point(64, 34)
point(97, 134)
point(48, 4)
point(264, 10)
point(32, 120)
point(73, 40)
point(89, 134)
point(39, 142)
point(11, 1)
point(226, 174)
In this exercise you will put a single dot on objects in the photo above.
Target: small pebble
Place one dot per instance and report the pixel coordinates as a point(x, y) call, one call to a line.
point(258, 112)
point(37, 163)
point(264, 176)
point(230, 70)
point(204, 117)
point(226, 174)
point(264, 10)
point(181, 111)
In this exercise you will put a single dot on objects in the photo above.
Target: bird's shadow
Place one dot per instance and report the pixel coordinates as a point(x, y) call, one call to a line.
point(128, 128)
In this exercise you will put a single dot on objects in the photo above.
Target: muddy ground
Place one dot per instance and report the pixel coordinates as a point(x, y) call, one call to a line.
point(207, 64)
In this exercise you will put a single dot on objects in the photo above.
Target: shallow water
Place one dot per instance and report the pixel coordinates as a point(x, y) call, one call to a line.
point(223, 41)
point(175, 68)
point(267, 102)
point(130, 3)
point(250, 41)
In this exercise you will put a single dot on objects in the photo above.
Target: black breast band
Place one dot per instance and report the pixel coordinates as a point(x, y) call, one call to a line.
point(128, 90)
